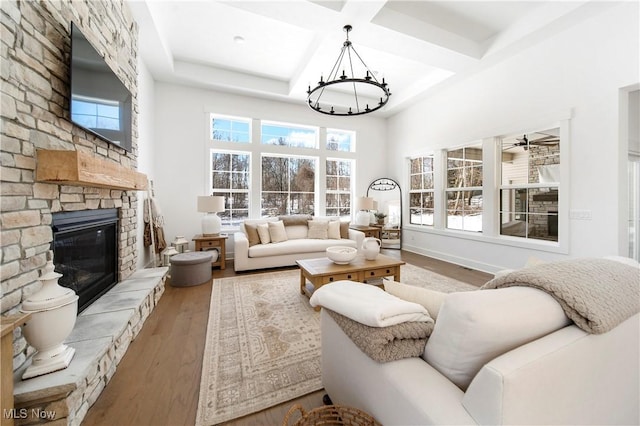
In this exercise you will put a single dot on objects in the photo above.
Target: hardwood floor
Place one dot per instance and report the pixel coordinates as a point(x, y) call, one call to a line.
point(158, 380)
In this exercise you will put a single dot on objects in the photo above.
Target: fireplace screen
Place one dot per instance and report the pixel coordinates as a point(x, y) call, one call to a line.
point(85, 252)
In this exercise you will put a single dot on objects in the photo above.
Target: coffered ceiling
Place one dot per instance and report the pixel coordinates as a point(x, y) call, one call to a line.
point(276, 49)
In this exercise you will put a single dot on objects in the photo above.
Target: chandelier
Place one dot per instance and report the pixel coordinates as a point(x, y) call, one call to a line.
point(355, 86)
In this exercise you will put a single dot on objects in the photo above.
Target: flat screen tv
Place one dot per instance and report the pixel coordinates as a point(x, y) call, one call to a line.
point(100, 102)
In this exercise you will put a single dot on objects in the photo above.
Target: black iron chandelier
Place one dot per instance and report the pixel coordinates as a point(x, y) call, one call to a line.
point(356, 86)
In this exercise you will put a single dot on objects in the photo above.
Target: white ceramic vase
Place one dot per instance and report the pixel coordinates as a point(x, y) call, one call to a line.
point(371, 248)
point(53, 314)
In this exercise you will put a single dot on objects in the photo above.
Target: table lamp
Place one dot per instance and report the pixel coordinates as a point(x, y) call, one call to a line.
point(211, 205)
point(363, 204)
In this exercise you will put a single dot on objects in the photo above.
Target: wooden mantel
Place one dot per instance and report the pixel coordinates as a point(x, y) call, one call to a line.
point(79, 168)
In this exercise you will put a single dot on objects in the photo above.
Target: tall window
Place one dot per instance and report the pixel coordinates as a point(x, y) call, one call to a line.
point(421, 191)
point(530, 181)
point(341, 140)
point(230, 177)
point(338, 181)
point(230, 129)
point(464, 189)
point(634, 206)
point(289, 135)
point(288, 185)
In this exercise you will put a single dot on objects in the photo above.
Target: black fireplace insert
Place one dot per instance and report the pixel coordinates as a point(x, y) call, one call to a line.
point(85, 252)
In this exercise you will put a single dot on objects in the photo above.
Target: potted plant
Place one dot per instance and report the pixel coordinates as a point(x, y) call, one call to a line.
point(380, 217)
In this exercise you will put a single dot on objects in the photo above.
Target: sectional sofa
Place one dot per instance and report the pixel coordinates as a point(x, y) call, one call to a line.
point(280, 241)
point(509, 355)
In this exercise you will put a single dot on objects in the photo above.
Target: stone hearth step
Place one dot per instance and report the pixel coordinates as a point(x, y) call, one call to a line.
point(100, 337)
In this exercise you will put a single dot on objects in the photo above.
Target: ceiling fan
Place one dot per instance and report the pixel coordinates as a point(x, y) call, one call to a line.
point(544, 140)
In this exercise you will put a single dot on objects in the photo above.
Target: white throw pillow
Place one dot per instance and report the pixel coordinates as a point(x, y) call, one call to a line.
point(430, 299)
point(333, 231)
point(318, 229)
point(474, 327)
point(277, 232)
point(263, 233)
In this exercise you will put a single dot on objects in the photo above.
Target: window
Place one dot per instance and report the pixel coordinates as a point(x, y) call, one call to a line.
point(289, 135)
point(288, 185)
point(230, 177)
point(529, 191)
point(338, 181)
point(340, 140)
point(230, 129)
point(464, 189)
point(634, 206)
point(283, 174)
point(421, 191)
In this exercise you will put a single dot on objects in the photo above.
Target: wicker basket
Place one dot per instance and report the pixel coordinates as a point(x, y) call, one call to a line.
point(329, 415)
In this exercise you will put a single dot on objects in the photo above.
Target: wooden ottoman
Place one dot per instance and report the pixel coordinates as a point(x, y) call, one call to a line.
point(192, 268)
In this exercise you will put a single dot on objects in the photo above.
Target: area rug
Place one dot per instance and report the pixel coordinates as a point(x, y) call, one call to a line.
point(263, 342)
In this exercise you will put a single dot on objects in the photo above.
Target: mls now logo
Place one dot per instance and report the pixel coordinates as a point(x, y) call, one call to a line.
point(23, 413)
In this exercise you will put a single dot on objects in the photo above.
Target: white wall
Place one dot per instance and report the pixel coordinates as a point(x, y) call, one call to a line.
point(579, 70)
point(146, 147)
point(181, 132)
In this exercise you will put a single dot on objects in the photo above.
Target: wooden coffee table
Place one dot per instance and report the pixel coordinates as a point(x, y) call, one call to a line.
point(322, 271)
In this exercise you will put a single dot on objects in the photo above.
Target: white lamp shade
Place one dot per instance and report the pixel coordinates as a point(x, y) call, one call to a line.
point(210, 204)
point(364, 203)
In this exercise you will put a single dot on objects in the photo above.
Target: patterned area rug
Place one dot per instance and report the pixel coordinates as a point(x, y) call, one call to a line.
point(263, 342)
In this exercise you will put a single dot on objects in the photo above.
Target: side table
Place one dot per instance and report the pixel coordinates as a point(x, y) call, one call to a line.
point(369, 231)
point(218, 242)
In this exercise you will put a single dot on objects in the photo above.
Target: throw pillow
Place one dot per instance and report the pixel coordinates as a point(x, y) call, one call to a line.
point(263, 233)
point(252, 234)
point(318, 229)
point(295, 219)
point(344, 229)
point(474, 327)
point(333, 230)
point(277, 232)
point(430, 299)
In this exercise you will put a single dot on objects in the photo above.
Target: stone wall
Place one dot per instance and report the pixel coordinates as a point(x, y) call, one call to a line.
point(35, 54)
point(543, 203)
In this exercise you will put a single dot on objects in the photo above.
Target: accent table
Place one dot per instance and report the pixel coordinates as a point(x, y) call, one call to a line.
point(369, 231)
point(204, 243)
point(322, 271)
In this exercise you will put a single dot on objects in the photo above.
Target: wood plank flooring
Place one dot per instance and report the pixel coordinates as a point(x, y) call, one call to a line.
point(158, 380)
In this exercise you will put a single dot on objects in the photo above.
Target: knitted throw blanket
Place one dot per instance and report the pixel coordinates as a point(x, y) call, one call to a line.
point(384, 344)
point(596, 294)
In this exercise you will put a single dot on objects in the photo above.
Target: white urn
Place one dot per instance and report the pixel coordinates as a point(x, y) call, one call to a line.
point(53, 314)
point(371, 248)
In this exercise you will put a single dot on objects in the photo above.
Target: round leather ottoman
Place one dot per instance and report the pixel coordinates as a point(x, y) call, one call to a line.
point(192, 268)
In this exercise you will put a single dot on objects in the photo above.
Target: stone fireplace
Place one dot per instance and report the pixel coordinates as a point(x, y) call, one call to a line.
point(37, 137)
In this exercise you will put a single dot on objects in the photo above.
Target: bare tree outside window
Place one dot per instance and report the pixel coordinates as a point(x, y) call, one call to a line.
point(464, 188)
point(338, 182)
point(230, 179)
point(288, 185)
point(421, 191)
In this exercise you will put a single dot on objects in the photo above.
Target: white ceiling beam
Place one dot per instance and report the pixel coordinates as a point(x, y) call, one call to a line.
point(230, 79)
point(409, 26)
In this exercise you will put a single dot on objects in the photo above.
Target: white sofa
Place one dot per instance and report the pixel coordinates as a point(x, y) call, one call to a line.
point(556, 374)
point(297, 245)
